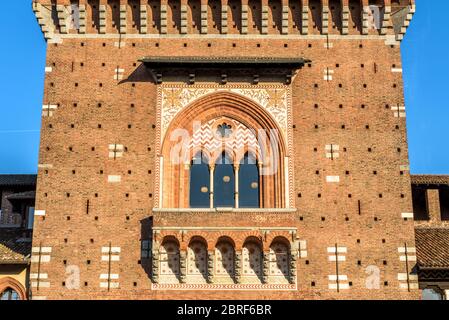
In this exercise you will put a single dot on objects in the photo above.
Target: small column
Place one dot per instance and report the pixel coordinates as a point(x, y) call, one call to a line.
point(204, 16)
point(211, 183)
point(345, 18)
point(224, 17)
point(210, 266)
point(238, 267)
point(102, 16)
point(123, 17)
point(244, 16)
point(264, 17)
point(164, 16)
point(293, 267)
point(236, 191)
point(433, 205)
point(155, 266)
point(183, 16)
point(261, 184)
point(325, 17)
point(305, 17)
point(266, 267)
point(183, 266)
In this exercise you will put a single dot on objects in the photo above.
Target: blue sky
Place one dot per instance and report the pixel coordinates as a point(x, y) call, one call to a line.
point(425, 54)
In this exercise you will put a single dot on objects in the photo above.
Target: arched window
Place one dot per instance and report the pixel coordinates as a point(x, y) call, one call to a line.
point(279, 260)
point(249, 183)
point(197, 261)
point(224, 182)
point(432, 294)
point(252, 261)
point(224, 256)
point(9, 294)
point(169, 261)
point(199, 182)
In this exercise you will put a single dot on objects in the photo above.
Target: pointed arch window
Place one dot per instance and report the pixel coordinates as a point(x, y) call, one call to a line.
point(199, 182)
point(249, 185)
point(224, 182)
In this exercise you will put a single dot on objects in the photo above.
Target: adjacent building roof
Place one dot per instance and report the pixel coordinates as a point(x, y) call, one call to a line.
point(27, 195)
point(9, 180)
point(430, 179)
point(14, 249)
point(432, 248)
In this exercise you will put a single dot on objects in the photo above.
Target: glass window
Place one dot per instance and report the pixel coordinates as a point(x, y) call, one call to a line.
point(30, 218)
point(248, 183)
point(432, 294)
point(199, 182)
point(9, 294)
point(224, 184)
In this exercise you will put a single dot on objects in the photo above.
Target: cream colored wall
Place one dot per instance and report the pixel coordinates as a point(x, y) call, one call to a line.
point(17, 272)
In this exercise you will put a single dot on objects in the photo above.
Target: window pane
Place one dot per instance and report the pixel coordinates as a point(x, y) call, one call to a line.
point(224, 184)
point(248, 183)
point(30, 219)
point(199, 183)
point(431, 294)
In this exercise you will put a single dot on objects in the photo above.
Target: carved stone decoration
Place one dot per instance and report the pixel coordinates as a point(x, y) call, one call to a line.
point(183, 267)
point(273, 98)
point(293, 266)
point(266, 267)
point(210, 266)
point(155, 266)
point(238, 267)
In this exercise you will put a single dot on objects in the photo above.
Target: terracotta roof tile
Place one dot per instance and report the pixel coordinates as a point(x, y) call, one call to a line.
point(12, 247)
point(432, 247)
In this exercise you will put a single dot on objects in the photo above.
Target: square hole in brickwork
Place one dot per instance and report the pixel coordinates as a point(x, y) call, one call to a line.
point(99, 126)
point(359, 263)
point(64, 261)
point(301, 218)
point(385, 283)
point(323, 219)
point(96, 195)
point(319, 195)
point(150, 195)
point(85, 283)
point(88, 261)
point(312, 283)
point(384, 262)
point(149, 171)
point(96, 218)
point(358, 241)
point(349, 195)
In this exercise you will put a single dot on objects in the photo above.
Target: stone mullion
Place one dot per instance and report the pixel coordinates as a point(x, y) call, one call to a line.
point(261, 185)
point(211, 185)
point(236, 190)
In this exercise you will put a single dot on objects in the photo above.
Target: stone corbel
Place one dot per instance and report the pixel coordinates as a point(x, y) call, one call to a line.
point(143, 18)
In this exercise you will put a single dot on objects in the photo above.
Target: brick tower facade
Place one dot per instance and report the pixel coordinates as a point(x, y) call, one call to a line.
point(289, 116)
